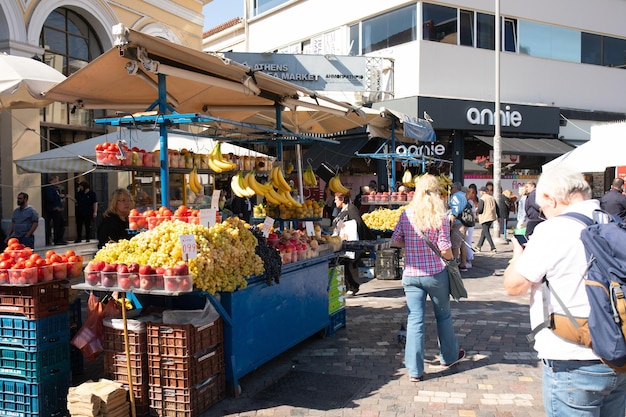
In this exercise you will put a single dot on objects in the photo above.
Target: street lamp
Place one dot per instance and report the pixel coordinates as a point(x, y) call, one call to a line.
point(497, 150)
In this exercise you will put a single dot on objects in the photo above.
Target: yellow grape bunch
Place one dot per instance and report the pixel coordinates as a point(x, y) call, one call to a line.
point(383, 219)
point(226, 252)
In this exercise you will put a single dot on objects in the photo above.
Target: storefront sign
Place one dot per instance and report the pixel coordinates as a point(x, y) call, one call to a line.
point(431, 149)
point(315, 72)
point(486, 116)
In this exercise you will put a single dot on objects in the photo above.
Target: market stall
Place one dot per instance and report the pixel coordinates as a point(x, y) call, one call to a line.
point(194, 82)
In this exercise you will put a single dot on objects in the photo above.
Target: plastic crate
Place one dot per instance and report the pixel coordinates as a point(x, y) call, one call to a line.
point(35, 301)
point(337, 321)
point(114, 340)
point(185, 372)
point(34, 334)
point(28, 399)
point(187, 402)
point(115, 367)
point(34, 366)
point(183, 339)
point(335, 304)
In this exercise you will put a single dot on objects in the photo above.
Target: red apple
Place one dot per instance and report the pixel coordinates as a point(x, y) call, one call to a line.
point(123, 281)
point(147, 282)
point(95, 266)
point(185, 284)
point(171, 284)
point(109, 279)
point(181, 268)
point(169, 271)
point(160, 270)
point(146, 270)
point(122, 269)
point(109, 268)
point(133, 267)
point(92, 278)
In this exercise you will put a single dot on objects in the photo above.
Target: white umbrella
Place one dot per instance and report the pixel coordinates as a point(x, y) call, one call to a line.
point(23, 82)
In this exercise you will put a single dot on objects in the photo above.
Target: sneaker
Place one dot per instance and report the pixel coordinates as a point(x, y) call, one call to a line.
point(468, 265)
point(494, 250)
point(463, 268)
point(461, 357)
point(475, 248)
point(416, 378)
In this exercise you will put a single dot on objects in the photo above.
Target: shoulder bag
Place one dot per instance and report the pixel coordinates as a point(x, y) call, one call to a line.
point(457, 289)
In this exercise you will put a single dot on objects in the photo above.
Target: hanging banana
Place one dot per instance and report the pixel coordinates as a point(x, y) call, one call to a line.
point(236, 188)
point(407, 179)
point(257, 187)
point(308, 177)
point(248, 191)
point(194, 181)
point(216, 160)
point(336, 186)
point(279, 180)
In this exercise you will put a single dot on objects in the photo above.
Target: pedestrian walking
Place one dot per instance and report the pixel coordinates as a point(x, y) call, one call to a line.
point(575, 381)
point(614, 201)
point(487, 214)
point(457, 203)
point(425, 275)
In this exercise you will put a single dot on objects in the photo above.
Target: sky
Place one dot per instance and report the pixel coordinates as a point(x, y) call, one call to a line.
point(220, 11)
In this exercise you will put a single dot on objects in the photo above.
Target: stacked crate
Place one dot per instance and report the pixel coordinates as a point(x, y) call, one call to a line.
point(116, 363)
point(35, 369)
point(186, 368)
point(336, 299)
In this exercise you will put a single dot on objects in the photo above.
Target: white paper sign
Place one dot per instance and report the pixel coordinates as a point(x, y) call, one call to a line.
point(208, 217)
point(310, 230)
point(188, 242)
point(268, 223)
point(215, 199)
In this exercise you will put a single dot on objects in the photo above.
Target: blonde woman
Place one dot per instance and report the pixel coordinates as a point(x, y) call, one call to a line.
point(114, 224)
point(425, 275)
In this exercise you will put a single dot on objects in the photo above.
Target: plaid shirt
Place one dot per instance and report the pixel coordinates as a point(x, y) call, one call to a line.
point(419, 258)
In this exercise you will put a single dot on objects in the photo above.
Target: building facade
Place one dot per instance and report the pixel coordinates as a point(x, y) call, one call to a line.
point(559, 73)
point(68, 34)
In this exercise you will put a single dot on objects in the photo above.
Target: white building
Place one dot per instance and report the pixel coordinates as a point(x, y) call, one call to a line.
point(561, 67)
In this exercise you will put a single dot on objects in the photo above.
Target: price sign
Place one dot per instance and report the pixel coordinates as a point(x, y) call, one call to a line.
point(267, 226)
point(215, 199)
point(208, 217)
point(188, 242)
point(310, 230)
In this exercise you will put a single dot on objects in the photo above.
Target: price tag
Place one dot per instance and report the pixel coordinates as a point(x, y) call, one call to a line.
point(267, 226)
point(310, 230)
point(206, 215)
point(215, 199)
point(188, 242)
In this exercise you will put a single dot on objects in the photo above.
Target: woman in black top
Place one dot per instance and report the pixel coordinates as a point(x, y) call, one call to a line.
point(114, 225)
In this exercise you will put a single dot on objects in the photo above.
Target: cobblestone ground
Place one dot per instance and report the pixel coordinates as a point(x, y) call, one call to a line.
point(500, 376)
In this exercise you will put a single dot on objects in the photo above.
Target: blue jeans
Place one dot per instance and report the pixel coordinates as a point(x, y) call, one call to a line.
point(582, 388)
point(416, 289)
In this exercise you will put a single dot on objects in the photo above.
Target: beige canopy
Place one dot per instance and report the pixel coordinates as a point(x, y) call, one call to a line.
point(126, 78)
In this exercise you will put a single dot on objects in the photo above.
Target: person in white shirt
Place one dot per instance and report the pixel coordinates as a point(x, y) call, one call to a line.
point(575, 381)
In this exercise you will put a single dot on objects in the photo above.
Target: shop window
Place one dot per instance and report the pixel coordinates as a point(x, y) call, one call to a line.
point(613, 52)
point(69, 43)
point(439, 23)
point(389, 29)
point(591, 49)
point(466, 28)
point(485, 31)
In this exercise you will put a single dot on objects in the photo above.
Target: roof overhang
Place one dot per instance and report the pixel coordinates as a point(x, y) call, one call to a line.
point(529, 146)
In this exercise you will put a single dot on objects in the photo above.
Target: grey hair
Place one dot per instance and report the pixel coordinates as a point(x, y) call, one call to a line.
point(561, 183)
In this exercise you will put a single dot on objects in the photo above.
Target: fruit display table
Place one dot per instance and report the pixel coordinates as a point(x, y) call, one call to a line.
point(263, 321)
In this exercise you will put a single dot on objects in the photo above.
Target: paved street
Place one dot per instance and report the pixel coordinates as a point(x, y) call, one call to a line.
point(499, 377)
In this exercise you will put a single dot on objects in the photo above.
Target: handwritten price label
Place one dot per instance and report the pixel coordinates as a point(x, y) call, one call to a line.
point(310, 230)
point(188, 243)
point(267, 226)
point(208, 217)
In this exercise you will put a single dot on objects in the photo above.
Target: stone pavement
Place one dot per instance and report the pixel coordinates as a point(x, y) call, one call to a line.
point(499, 377)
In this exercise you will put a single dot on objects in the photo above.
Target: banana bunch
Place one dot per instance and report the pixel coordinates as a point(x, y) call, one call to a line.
point(276, 175)
point(308, 177)
point(444, 181)
point(216, 160)
point(407, 179)
point(240, 186)
point(275, 195)
point(336, 186)
point(194, 181)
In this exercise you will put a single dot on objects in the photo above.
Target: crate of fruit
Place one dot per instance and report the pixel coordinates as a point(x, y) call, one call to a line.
point(35, 301)
point(34, 334)
point(185, 371)
point(183, 339)
point(187, 402)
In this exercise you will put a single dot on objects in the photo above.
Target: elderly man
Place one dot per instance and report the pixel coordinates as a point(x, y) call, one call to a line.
point(614, 201)
point(457, 203)
point(575, 381)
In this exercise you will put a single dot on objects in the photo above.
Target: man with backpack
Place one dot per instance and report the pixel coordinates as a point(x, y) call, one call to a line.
point(553, 265)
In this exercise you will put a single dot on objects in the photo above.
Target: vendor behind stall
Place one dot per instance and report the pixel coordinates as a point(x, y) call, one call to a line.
point(114, 225)
point(348, 211)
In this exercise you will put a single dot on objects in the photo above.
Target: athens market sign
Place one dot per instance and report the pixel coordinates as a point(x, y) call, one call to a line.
point(486, 117)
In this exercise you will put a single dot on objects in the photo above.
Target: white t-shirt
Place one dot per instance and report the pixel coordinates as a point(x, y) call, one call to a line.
point(555, 251)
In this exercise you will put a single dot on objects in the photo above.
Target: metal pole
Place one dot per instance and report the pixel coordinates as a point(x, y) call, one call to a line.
point(497, 150)
point(165, 172)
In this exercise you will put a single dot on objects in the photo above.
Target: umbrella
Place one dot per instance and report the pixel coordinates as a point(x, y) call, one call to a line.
point(23, 82)
point(81, 156)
